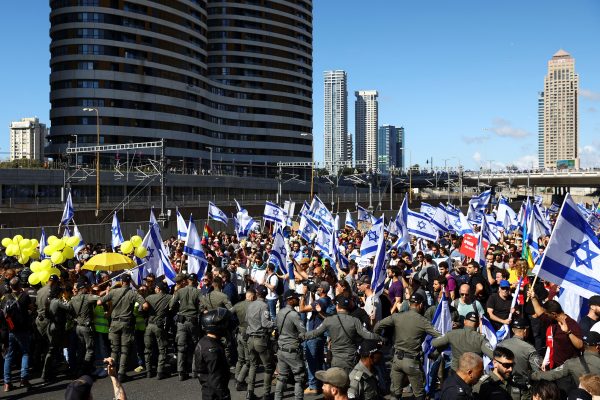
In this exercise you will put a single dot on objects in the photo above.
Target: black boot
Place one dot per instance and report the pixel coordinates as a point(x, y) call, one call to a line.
point(241, 386)
point(183, 376)
point(161, 375)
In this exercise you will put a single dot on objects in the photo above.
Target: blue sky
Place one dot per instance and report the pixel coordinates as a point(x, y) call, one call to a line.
point(462, 77)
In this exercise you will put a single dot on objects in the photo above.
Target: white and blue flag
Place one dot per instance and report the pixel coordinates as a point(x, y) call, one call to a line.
point(363, 214)
point(427, 209)
point(157, 260)
point(493, 231)
point(419, 225)
point(193, 248)
point(349, 221)
point(379, 274)
point(370, 242)
point(43, 244)
point(308, 229)
point(474, 214)
point(319, 212)
point(506, 216)
point(481, 200)
point(323, 240)
point(181, 227)
point(403, 242)
point(279, 254)
point(81, 244)
point(68, 211)
point(440, 219)
point(459, 222)
point(494, 337)
point(572, 256)
point(115, 231)
point(244, 223)
point(274, 213)
point(215, 213)
point(442, 322)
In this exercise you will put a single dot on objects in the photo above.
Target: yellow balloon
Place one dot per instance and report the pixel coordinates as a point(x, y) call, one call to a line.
point(23, 259)
point(6, 242)
point(68, 253)
point(49, 250)
point(36, 266)
point(44, 275)
point(10, 250)
point(52, 239)
point(46, 264)
point(25, 243)
point(17, 238)
point(34, 243)
point(126, 247)
point(136, 240)
point(28, 251)
point(34, 278)
point(35, 254)
point(57, 257)
point(55, 271)
point(141, 252)
point(73, 241)
point(59, 244)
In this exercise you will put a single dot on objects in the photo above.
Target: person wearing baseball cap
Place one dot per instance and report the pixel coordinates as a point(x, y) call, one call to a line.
point(593, 315)
point(363, 378)
point(335, 383)
point(410, 330)
point(498, 305)
point(577, 366)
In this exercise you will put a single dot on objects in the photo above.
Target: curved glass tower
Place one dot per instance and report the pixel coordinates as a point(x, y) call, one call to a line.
point(227, 83)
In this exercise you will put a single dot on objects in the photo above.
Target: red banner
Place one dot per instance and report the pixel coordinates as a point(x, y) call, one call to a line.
point(469, 245)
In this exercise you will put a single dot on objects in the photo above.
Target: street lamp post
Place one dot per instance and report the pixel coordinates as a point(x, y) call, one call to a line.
point(409, 172)
point(312, 161)
point(97, 158)
point(447, 176)
point(75, 136)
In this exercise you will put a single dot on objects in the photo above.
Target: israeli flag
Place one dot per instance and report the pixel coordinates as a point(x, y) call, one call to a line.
point(459, 222)
point(440, 219)
point(308, 229)
point(43, 244)
point(506, 216)
point(571, 303)
point(401, 222)
point(323, 240)
point(442, 322)
point(363, 214)
point(538, 199)
point(379, 275)
point(305, 209)
point(571, 259)
point(493, 231)
point(349, 221)
point(239, 207)
point(370, 242)
point(481, 200)
point(181, 227)
point(494, 337)
point(554, 208)
point(474, 215)
point(522, 216)
point(289, 208)
point(419, 225)
point(244, 223)
point(428, 210)
point(319, 212)
point(68, 211)
point(115, 230)
point(81, 244)
point(215, 213)
point(157, 261)
point(341, 260)
point(279, 253)
point(480, 249)
point(274, 213)
point(193, 248)
point(540, 219)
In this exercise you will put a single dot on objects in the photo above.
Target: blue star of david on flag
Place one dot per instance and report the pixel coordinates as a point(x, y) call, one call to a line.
point(322, 212)
point(275, 212)
point(589, 254)
point(421, 225)
point(373, 236)
point(457, 223)
point(150, 253)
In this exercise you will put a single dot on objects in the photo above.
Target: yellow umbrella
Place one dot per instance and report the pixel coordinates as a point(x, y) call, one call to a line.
point(109, 262)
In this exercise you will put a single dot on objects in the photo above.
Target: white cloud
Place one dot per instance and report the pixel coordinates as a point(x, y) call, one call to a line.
point(525, 162)
point(589, 94)
point(477, 157)
point(475, 139)
point(504, 128)
point(589, 155)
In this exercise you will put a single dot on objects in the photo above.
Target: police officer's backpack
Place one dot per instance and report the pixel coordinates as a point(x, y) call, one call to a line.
point(11, 311)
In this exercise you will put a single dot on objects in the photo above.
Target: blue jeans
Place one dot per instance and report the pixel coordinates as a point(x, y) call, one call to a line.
point(21, 339)
point(314, 350)
point(272, 308)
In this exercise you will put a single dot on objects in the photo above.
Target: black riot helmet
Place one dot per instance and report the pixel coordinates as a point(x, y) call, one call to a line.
point(216, 321)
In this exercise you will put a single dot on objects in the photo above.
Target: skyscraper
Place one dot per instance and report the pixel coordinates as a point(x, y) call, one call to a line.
point(390, 148)
point(224, 82)
point(336, 119)
point(560, 112)
point(27, 139)
point(366, 124)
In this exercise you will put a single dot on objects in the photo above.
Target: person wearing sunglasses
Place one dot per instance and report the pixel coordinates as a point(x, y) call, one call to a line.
point(497, 385)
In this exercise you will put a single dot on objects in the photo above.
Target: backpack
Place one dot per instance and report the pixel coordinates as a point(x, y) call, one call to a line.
point(279, 287)
point(12, 312)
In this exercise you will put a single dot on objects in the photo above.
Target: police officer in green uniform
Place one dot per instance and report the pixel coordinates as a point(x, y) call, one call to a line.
point(241, 367)
point(410, 329)
point(187, 299)
point(215, 298)
point(363, 378)
point(157, 307)
point(56, 314)
point(497, 385)
point(527, 359)
point(345, 333)
point(289, 357)
point(82, 307)
point(588, 363)
point(464, 340)
point(41, 302)
point(259, 331)
point(120, 333)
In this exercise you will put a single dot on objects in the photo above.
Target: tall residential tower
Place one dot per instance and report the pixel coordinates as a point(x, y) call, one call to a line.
point(336, 120)
point(366, 125)
point(558, 103)
point(27, 139)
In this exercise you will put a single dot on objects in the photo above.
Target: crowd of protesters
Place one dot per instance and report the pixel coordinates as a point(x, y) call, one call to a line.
point(326, 331)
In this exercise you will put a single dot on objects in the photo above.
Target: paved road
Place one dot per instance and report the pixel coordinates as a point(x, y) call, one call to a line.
point(139, 388)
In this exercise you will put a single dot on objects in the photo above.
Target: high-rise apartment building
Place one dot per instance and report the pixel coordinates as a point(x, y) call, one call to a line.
point(541, 130)
point(336, 120)
point(366, 124)
point(560, 113)
point(390, 148)
point(27, 139)
point(224, 82)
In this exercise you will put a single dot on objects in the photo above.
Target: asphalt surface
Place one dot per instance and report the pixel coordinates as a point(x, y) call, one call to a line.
point(138, 388)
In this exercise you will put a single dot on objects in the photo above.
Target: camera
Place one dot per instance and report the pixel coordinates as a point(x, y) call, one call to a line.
point(311, 285)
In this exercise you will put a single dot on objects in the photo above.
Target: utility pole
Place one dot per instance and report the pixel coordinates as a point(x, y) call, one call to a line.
point(163, 216)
